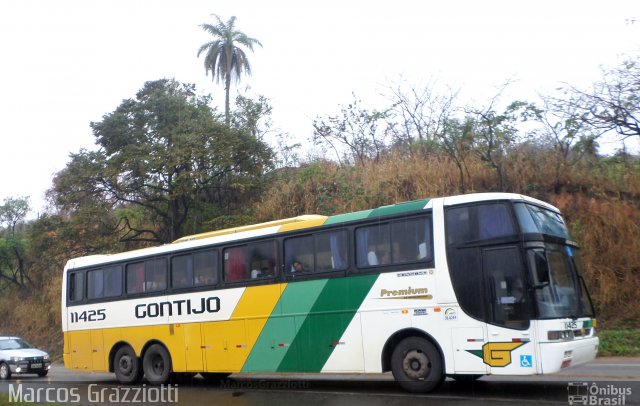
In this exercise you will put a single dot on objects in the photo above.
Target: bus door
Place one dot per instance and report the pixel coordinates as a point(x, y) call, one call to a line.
point(511, 334)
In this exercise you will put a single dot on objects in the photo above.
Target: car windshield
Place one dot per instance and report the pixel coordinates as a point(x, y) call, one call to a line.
point(14, 344)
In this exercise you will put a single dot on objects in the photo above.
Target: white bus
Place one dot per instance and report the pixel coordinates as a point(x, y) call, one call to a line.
point(460, 286)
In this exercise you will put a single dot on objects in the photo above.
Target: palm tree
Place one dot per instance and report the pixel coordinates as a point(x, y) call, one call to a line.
point(223, 57)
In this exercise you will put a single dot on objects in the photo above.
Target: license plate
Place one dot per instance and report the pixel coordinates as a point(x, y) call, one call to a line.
point(36, 366)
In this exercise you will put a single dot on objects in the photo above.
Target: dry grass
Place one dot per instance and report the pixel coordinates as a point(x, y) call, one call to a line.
point(36, 318)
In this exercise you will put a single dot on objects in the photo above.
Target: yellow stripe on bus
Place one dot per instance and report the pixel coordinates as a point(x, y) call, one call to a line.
point(298, 225)
point(229, 343)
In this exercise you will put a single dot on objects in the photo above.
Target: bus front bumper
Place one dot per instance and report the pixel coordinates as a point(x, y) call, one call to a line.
point(561, 355)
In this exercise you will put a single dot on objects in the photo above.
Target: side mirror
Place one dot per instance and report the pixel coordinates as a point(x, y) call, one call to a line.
point(542, 268)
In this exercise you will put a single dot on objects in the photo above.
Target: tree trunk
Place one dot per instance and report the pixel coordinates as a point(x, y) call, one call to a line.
point(227, 88)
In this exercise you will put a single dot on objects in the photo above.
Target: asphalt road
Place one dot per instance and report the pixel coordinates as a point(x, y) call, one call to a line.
point(605, 381)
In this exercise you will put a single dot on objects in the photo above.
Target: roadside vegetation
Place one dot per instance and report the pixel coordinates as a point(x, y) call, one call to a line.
point(622, 342)
point(167, 164)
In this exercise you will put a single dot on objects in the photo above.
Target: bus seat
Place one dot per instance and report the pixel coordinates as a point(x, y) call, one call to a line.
point(422, 250)
point(372, 258)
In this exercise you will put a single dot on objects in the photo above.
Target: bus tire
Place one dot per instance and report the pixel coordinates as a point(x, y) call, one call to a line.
point(416, 365)
point(156, 364)
point(5, 371)
point(126, 365)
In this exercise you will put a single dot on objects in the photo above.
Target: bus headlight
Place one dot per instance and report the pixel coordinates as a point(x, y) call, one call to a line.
point(560, 335)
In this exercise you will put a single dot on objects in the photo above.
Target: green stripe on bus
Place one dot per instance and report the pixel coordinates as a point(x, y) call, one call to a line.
point(328, 319)
point(343, 218)
point(399, 208)
point(280, 330)
point(391, 210)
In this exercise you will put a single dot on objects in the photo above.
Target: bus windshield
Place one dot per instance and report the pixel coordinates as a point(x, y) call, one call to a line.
point(535, 219)
point(558, 289)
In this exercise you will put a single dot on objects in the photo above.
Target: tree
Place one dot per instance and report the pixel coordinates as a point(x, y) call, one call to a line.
point(163, 160)
point(422, 113)
point(493, 134)
point(13, 263)
point(614, 102)
point(456, 140)
point(224, 57)
point(355, 128)
point(564, 131)
point(13, 211)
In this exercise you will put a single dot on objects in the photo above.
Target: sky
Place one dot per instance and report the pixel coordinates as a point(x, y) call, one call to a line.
point(65, 63)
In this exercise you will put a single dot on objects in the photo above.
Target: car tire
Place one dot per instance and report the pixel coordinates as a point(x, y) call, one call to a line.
point(127, 366)
point(5, 371)
point(156, 364)
point(416, 365)
point(42, 374)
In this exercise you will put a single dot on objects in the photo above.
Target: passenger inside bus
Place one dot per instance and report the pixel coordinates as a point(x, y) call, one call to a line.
point(297, 267)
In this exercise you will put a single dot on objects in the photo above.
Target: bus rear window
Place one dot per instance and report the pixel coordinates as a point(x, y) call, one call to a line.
point(75, 286)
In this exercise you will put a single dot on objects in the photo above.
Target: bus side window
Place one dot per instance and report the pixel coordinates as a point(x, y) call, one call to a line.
point(235, 267)
point(373, 245)
point(205, 268)
point(262, 259)
point(182, 271)
point(298, 250)
point(135, 277)
point(155, 275)
point(75, 286)
point(252, 261)
point(411, 240)
point(105, 282)
point(95, 286)
point(331, 251)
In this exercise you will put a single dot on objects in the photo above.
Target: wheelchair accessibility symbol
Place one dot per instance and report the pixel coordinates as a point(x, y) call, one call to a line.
point(526, 361)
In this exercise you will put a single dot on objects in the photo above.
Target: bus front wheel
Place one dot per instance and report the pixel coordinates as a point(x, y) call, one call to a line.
point(126, 365)
point(416, 365)
point(156, 364)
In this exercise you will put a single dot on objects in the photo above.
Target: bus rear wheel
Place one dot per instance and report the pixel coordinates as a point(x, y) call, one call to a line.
point(156, 364)
point(416, 365)
point(126, 365)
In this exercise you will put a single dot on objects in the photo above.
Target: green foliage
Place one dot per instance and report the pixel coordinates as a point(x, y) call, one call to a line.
point(13, 211)
point(619, 343)
point(13, 263)
point(165, 154)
